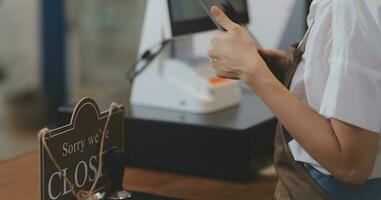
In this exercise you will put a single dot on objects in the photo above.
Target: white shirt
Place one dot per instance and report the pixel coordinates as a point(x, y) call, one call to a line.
point(340, 73)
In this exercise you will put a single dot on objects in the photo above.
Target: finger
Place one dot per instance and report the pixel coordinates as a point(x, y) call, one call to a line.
point(227, 75)
point(270, 56)
point(272, 53)
point(213, 54)
point(223, 72)
point(213, 61)
point(266, 52)
point(222, 19)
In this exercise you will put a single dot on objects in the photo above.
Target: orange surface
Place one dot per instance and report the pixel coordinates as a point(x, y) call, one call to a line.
point(218, 81)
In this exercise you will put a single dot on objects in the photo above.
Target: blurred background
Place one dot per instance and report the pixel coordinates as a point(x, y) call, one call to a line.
point(57, 51)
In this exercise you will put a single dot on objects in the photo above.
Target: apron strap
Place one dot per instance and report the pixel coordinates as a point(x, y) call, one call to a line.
point(295, 56)
point(294, 181)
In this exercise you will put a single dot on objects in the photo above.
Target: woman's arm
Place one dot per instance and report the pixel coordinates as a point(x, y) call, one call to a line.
point(347, 152)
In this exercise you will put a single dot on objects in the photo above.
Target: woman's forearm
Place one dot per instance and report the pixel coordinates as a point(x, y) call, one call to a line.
point(314, 133)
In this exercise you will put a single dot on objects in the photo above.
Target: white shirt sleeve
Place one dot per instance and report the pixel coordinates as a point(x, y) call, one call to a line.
point(353, 89)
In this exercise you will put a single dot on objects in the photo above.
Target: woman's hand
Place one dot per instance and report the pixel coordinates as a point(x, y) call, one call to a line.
point(233, 54)
point(275, 58)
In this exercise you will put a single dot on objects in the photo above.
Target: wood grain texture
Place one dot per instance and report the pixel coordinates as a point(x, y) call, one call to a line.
point(19, 179)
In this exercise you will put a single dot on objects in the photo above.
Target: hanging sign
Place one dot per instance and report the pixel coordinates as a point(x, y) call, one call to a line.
point(69, 155)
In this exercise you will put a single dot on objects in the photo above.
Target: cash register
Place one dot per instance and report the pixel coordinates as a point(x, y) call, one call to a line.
point(178, 80)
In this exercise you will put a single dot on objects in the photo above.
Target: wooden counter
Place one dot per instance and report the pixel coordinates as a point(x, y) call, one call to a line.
point(19, 179)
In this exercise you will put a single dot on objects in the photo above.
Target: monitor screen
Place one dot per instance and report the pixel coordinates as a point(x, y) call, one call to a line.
point(189, 16)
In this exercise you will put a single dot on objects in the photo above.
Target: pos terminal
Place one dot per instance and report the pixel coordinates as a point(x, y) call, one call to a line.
point(183, 83)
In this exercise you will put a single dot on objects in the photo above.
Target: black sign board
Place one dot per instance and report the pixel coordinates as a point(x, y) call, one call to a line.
point(76, 147)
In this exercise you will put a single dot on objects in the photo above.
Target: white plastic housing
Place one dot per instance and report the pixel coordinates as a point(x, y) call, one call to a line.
point(175, 84)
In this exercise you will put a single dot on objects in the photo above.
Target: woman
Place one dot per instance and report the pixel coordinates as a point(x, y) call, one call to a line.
point(330, 108)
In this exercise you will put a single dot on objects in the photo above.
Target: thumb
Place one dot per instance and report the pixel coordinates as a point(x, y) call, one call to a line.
point(222, 19)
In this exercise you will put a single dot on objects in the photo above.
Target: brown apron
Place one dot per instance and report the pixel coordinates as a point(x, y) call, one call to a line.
point(294, 183)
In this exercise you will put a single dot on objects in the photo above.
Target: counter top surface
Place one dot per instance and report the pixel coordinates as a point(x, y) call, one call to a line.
point(19, 179)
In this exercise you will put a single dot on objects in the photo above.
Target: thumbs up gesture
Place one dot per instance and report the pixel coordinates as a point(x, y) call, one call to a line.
point(233, 54)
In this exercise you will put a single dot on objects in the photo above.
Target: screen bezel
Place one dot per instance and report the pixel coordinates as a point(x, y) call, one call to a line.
point(199, 25)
